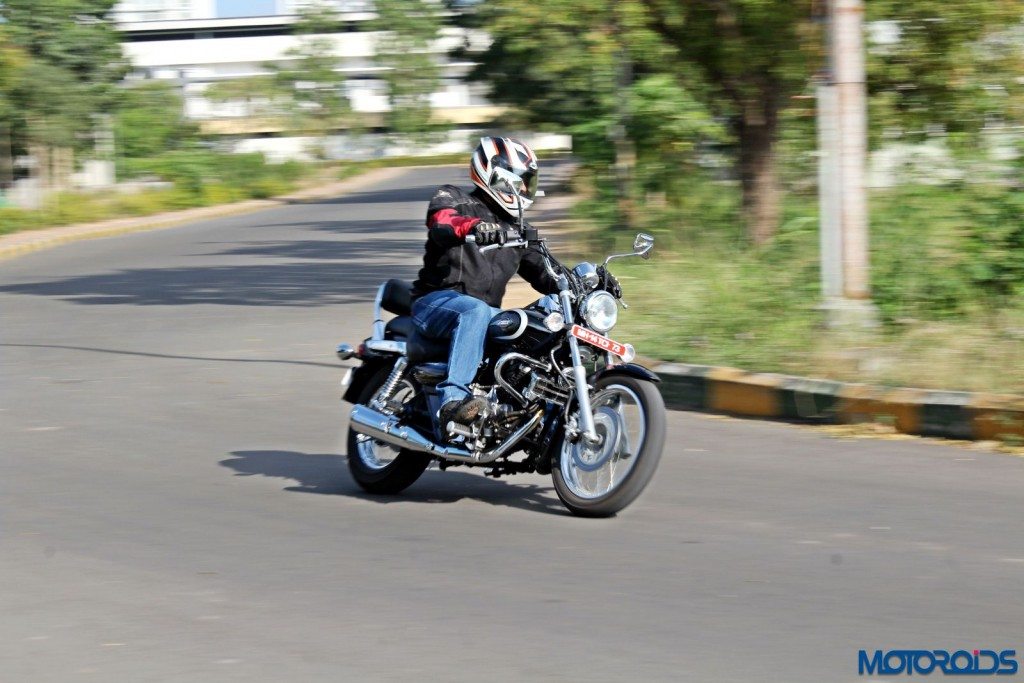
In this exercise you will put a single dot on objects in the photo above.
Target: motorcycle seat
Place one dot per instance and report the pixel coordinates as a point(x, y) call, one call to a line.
point(400, 328)
point(420, 349)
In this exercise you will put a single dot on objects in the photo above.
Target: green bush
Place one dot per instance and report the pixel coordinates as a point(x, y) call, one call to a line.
point(941, 253)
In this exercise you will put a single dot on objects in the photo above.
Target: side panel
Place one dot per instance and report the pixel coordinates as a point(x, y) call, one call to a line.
point(629, 369)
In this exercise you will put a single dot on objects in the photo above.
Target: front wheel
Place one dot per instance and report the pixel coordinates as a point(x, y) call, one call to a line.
point(376, 466)
point(599, 480)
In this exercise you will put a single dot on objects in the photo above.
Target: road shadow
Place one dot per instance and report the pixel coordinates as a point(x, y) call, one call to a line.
point(328, 474)
point(170, 356)
point(319, 273)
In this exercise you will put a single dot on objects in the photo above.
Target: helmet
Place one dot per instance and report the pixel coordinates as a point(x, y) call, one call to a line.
point(511, 155)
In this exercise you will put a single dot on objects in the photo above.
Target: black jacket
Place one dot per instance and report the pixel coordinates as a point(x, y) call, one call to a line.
point(452, 263)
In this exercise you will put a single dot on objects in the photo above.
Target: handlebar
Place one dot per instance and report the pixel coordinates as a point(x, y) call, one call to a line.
point(513, 244)
point(508, 245)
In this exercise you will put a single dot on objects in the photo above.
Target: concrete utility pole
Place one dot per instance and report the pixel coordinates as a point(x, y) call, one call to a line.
point(842, 117)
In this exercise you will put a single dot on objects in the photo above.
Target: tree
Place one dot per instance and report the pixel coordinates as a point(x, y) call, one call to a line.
point(945, 64)
point(741, 60)
point(74, 63)
point(311, 79)
point(744, 61)
point(12, 64)
point(752, 56)
point(150, 120)
point(306, 88)
point(405, 49)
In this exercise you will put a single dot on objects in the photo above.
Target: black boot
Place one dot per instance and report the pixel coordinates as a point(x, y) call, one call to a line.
point(461, 412)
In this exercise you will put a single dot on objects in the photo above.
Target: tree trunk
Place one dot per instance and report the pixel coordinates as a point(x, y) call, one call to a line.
point(759, 177)
point(6, 157)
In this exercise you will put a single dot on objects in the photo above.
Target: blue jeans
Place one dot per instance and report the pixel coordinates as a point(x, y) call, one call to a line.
point(463, 319)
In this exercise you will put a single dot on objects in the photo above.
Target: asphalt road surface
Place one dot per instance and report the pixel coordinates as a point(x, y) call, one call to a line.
point(175, 506)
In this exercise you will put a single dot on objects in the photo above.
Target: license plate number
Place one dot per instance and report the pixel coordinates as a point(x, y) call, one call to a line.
point(594, 339)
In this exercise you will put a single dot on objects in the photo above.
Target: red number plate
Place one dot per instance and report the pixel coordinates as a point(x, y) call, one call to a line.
point(594, 339)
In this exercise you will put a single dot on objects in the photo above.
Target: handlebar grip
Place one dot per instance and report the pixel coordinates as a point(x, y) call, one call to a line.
point(530, 235)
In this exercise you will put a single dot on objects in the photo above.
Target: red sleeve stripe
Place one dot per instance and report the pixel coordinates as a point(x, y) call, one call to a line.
point(449, 218)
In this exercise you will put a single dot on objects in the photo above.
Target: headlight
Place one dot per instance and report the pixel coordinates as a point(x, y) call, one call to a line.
point(600, 311)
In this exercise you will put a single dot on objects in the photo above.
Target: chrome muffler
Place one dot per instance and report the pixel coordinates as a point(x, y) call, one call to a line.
point(386, 428)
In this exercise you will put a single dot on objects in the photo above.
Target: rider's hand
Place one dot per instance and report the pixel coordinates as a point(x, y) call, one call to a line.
point(609, 283)
point(489, 233)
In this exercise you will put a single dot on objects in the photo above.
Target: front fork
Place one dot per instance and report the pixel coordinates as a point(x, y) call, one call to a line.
point(579, 372)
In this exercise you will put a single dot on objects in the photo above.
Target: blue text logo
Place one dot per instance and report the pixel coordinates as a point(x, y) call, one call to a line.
point(924, 662)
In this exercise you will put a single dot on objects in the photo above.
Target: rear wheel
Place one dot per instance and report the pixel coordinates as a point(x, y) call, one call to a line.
point(599, 480)
point(376, 466)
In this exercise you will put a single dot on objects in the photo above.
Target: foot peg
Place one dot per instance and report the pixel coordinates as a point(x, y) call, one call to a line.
point(455, 429)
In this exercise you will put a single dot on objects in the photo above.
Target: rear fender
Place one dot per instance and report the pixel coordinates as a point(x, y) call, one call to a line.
point(362, 375)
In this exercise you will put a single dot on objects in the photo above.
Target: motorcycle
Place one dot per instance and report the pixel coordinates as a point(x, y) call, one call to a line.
point(559, 391)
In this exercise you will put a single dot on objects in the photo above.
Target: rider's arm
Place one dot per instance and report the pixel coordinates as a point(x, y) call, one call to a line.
point(531, 267)
point(448, 228)
point(446, 225)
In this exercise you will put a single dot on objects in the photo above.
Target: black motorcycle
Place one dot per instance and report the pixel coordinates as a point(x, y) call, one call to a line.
point(559, 391)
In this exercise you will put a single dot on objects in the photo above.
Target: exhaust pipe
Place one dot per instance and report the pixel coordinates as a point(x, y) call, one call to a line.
point(386, 428)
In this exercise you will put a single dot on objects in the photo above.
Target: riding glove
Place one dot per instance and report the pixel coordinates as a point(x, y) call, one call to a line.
point(609, 283)
point(489, 233)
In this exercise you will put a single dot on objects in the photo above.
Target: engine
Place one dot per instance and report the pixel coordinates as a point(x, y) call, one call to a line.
point(527, 381)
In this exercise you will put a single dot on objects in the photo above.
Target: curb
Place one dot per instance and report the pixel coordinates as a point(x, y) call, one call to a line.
point(28, 241)
point(923, 412)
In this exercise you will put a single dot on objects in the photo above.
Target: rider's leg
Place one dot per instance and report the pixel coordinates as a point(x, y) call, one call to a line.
point(463, 319)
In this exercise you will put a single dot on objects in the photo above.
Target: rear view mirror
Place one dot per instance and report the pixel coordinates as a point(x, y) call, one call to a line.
point(504, 180)
point(642, 245)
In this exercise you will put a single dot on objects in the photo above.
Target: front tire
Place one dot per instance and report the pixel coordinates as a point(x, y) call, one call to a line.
point(599, 481)
point(378, 467)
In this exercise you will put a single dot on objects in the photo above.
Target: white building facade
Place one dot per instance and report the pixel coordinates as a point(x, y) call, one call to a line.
point(194, 43)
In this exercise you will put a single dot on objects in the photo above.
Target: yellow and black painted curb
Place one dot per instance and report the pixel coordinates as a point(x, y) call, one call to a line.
point(948, 414)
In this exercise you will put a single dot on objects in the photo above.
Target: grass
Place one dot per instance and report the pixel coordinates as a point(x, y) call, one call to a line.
point(943, 276)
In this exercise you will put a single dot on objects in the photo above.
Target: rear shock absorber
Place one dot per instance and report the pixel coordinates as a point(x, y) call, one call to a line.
point(380, 400)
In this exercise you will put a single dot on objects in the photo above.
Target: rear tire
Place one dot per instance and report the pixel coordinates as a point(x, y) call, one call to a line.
point(641, 471)
point(392, 477)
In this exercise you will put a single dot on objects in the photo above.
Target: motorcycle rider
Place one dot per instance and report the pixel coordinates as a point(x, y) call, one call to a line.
point(460, 287)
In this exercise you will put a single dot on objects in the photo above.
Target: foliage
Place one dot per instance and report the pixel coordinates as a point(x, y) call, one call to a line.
point(559, 62)
point(944, 253)
point(315, 87)
point(73, 62)
point(948, 274)
point(564, 62)
point(306, 88)
point(192, 170)
point(745, 62)
point(667, 124)
point(949, 64)
point(409, 29)
point(150, 120)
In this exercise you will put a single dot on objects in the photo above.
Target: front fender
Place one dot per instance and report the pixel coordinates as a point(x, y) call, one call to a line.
point(628, 369)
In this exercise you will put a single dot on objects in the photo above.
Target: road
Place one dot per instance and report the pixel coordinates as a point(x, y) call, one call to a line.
point(175, 506)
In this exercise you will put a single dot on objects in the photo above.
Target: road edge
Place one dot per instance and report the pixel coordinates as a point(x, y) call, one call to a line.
point(923, 412)
point(29, 241)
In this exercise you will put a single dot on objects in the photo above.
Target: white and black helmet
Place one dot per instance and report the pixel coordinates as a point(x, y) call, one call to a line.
point(509, 154)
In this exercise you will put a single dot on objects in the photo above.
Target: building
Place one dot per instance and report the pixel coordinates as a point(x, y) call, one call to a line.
point(194, 43)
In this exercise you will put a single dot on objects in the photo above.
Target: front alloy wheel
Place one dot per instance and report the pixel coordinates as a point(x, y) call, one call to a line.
point(598, 480)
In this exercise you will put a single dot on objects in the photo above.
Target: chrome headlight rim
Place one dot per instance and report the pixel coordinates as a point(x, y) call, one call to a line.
point(597, 319)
